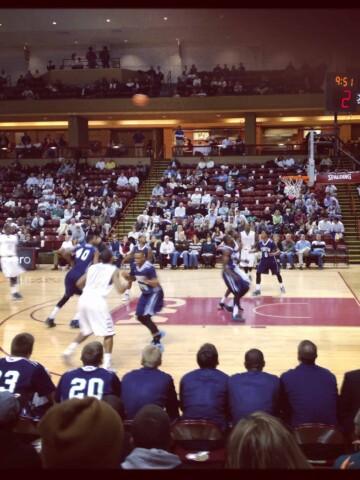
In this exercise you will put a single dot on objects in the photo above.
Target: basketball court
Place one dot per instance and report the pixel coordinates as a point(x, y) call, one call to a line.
point(319, 305)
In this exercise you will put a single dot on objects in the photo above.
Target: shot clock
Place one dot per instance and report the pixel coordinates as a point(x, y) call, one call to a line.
point(341, 92)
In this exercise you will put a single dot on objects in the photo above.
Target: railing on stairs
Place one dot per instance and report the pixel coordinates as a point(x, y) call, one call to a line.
point(132, 207)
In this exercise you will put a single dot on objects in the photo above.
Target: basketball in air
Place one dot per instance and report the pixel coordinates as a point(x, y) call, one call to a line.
point(140, 100)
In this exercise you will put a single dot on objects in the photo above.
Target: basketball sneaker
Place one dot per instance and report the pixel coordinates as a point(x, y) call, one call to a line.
point(74, 324)
point(221, 306)
point(109, 367)
point(162, 333)
point(17, 296)
point(126, 297)
point(67, 358)
point(238, 318)
point(282, 289)
point(157, 344)
point(255, 293)
point(50, 323)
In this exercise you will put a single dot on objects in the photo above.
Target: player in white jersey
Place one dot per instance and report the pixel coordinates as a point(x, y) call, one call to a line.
point(248, 240)
point(10, 265)
point(93, 310)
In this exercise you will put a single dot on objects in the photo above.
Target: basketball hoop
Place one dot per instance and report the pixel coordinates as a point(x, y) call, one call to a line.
point(293, 184)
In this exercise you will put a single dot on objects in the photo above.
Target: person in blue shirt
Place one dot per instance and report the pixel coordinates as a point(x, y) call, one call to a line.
point(140, 246)
point(253, 390)
point(179, 141)
point(90, 380)
point(149, 385)
point(27, 378)
point(83, 256)
point(269, 252)
point(308, 392)
point(138, 139)
point(152, 295)
point(204, 392)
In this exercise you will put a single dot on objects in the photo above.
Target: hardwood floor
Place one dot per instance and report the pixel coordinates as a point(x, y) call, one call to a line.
point(274, 323)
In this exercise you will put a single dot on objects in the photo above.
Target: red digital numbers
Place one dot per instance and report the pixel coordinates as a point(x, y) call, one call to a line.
point(346, 98)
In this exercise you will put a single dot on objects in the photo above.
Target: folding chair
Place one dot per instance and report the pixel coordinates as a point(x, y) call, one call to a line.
point(321, 443)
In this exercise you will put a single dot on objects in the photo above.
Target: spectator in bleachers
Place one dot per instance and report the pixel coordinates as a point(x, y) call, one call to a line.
point(18, 191)
point(122, 180)
point(110, 164)
point(317, 251)
point(324, 225)
point(78, 235)
point(158, 190)
point(333, 209)
point(69, 212)
point(180, 211)
point(166, 249)
point(329, 198)
point(222, 178)
point(289, 162)
point(134, 181)
point(37, 224)
point(337, 229)
point(208, 252)
point(100, 164)
point(181, 250)
point(277, 220)
point(104, 56)
point(238, 88)
point(91, 58)
point(63, 251)
point(287, 251)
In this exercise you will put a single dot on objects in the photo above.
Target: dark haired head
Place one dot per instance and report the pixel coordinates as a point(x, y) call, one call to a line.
point(254, 359)
point(106, 256)
point(207, 356)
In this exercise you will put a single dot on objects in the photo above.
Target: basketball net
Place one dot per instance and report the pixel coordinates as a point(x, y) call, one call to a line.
point(292, 187)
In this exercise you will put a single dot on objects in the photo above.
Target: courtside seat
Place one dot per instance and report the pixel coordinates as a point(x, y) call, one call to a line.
point(341, 255)
point(321, 443)
point(330, 255)
point(191, 436)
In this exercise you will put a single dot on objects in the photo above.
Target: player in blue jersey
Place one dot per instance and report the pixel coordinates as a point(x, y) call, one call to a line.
point(269, 252)
point(237, 281)
point(140, 246)
point(82, 256)
point(28, 379)
point(90, 380)
point(152, 295)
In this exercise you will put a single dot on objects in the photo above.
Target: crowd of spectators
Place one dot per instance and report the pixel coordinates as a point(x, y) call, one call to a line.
point(64, 194)
point(191, 82)
point(191, 209)
point(256, 413)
